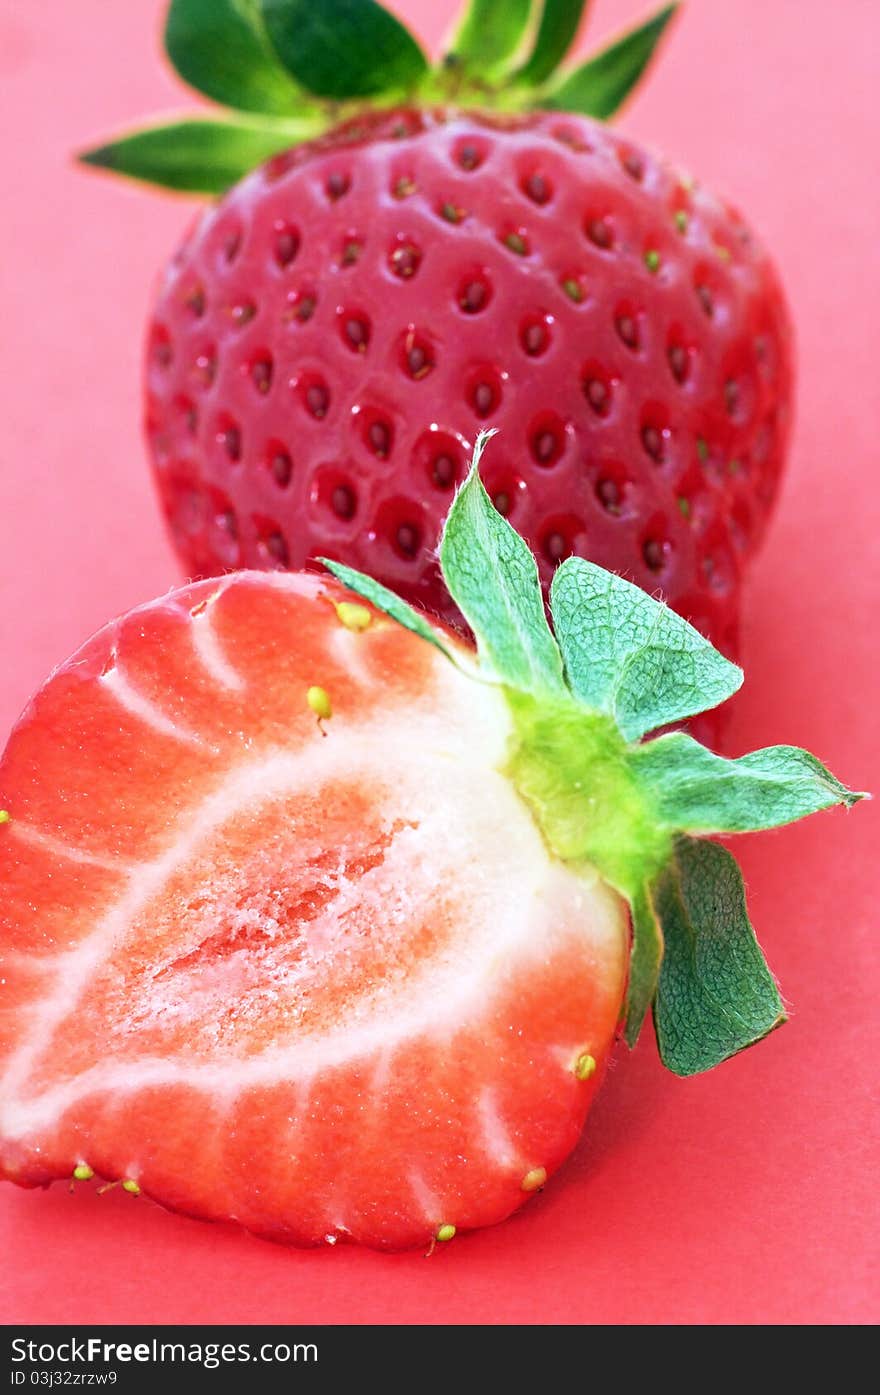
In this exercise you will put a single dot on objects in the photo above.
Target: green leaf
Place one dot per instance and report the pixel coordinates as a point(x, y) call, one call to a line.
point(644, 964)
point(715, 994)
point(390, 604)
point(493, 579)
point(601, 85)
point(350, 48)
point(221, 48)
point(195, 156)
point(692, 789)
point(559, 24)
point(631, 656)
point(490, 33)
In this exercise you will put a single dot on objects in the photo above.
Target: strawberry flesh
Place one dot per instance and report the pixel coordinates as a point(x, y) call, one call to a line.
point(318, 977)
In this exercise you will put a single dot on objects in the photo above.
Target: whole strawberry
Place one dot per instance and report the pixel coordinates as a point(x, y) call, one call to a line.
point(335, 332)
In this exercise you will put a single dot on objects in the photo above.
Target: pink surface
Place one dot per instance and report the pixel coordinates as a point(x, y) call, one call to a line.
point(744, 1196)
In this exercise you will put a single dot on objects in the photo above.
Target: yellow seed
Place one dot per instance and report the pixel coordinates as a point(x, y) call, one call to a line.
point(319, 702)
point(353, 617)
point(584, 1066)
point(4, 815)
point(82, 1172)
point(446, 1232)
point(130, 1185)
point(534, 1180)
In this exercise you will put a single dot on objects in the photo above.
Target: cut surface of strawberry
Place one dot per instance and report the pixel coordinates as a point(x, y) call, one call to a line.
point(318, 976)
point(314, 922)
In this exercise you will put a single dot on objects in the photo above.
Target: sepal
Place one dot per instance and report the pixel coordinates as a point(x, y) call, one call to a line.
point(195, 155)
point(601, 85)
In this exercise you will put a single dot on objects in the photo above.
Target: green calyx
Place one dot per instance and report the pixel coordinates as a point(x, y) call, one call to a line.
point(290, 69)
point(571, 767)
point(583, 696)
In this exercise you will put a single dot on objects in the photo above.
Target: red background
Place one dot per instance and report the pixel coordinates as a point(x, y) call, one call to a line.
point(744, 1196)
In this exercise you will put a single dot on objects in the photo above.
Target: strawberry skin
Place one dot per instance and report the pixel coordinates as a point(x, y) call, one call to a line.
point(320, 977)
point(332, 336)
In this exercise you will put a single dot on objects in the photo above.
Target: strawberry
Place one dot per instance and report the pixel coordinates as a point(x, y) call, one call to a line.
point(333, 334)
point(312, 922)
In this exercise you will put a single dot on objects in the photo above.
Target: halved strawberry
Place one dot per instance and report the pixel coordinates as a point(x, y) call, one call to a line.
point(262, 979)
point(312, 924)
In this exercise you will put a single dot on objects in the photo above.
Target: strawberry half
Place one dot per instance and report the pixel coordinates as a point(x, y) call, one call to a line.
point(316, 975)
point(331, 337)
point(313, 923)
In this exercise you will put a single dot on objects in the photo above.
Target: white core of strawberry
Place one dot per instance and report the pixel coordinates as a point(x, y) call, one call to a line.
point(214, 971)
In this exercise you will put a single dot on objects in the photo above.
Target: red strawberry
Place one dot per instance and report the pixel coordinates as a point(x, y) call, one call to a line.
point(244, 989)
point(332, 336)
point(307, 927)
